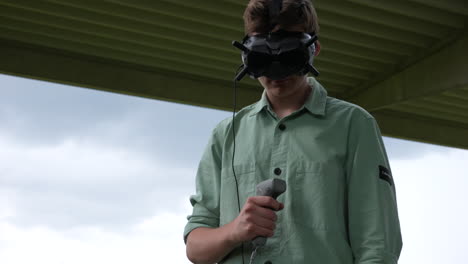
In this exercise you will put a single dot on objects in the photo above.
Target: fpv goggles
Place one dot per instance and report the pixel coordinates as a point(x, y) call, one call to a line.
point(277, 55)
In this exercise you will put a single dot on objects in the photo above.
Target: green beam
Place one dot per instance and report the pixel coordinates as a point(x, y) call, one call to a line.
point(338, 78)
point(431, 111)
point(460, 93)
point(340, 47)
point(177, 52)
point(371, 29)
point(158, 12)
point(411, 127)
point(365, 41)
point(380, 17)
point(326, 66)
point(449, 101)
point(344, 59)
point(153, 37)
point(122, 18)
point(444, 107)
point(454, 6)
point(119, 77)
point(437, 73)
point(116, 53)
point(226, 8)
point(192, 10)
point(416, 11)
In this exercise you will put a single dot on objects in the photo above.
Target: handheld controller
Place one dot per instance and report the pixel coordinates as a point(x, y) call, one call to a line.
point(272, 188)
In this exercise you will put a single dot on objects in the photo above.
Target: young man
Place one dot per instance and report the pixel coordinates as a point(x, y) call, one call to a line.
point(340, 204)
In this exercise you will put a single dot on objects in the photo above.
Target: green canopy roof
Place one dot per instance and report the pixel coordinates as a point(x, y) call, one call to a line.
point(405, 61)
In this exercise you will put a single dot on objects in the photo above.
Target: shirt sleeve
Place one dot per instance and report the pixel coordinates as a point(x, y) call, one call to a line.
point(206, 200)
point(373, 224)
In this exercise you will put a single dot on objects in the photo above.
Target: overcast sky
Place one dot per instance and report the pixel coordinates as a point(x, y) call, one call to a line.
point(95, 177)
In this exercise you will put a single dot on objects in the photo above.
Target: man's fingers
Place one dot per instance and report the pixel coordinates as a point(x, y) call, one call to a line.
point(266, 201)
point(262, 231)
point(265, 213)
point(266, 223)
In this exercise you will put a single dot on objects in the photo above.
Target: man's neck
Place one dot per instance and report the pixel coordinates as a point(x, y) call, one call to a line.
point(284, 106)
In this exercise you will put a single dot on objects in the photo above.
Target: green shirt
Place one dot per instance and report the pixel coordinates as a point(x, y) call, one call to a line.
point(340, 204)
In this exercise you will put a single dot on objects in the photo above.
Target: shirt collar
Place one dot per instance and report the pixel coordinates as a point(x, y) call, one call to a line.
point(262, 104)
point(317, 100)
point(315, 103)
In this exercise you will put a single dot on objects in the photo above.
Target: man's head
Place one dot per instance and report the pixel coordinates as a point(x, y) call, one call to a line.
point(295, 15)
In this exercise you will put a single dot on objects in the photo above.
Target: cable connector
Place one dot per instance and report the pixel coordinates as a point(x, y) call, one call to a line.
point(254, 254)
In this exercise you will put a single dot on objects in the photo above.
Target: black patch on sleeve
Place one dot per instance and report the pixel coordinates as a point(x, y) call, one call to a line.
point(385, 174)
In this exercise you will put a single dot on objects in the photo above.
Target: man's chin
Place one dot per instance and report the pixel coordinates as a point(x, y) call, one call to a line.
point(279, 90)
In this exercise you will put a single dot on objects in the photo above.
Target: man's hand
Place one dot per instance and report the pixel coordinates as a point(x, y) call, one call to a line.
point(257, 218)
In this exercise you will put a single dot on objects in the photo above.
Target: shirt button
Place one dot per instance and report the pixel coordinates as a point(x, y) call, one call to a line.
point(282, 127)
point(268, 262)
point(277, 171)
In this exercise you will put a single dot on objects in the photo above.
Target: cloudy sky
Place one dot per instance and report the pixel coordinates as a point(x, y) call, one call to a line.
point(95, 177)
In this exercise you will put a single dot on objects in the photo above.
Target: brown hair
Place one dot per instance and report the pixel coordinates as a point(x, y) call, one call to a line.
point(293, 12)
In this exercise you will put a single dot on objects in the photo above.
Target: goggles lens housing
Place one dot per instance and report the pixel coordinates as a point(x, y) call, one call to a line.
point(278, 54)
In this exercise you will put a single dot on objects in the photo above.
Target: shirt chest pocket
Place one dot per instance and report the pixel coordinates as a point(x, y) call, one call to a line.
point(246, 182)
point(318, 195)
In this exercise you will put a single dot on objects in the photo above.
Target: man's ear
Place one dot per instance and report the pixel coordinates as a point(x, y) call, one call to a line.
point(317, 48)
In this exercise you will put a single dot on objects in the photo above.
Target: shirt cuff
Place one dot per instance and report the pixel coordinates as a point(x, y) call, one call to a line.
point(201, 217)
point(377, 256)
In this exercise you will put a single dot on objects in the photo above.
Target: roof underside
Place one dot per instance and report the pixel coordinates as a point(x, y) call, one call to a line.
point(405, 61)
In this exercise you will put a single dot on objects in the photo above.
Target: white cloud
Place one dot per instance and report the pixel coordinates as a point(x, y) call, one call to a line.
point(7, 208)
point(155, 240)
point(77, 183)
point(46, 185)
point(431, 193)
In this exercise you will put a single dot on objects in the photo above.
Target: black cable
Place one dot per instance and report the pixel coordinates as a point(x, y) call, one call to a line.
point(234, 146)
point(234, 140)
